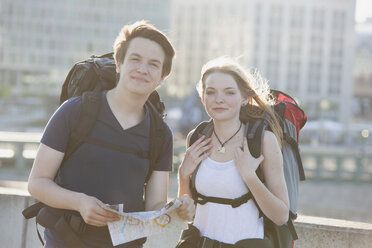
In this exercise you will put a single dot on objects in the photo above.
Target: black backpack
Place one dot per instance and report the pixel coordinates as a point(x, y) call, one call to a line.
point(292, 119)
point(88, 79)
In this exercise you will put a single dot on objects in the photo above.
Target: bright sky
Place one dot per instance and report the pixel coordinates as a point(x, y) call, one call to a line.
point(363, 9)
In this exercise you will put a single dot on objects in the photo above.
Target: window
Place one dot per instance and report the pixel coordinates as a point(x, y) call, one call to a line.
point(318, 18)
point(335, 79)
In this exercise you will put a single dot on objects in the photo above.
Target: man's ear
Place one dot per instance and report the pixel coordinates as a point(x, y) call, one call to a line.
point(162, 79)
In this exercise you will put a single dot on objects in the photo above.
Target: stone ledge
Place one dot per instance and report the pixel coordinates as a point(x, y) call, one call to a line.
point(312, 231)
point(14, 191)
point(333, 224)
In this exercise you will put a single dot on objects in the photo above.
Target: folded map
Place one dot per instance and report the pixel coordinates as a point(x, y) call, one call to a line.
point(137, 225)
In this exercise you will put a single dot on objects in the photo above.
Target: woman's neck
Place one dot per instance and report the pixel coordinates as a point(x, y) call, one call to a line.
point(225, 129)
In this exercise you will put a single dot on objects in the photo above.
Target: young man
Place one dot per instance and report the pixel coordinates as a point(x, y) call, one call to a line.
point(95, 175)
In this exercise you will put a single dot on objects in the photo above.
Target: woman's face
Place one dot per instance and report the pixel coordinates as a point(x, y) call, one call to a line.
point(222, 98)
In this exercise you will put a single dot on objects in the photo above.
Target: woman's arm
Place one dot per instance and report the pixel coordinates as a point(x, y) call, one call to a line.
point(273, 199)
point(194, 155)
point(41, 185)
point(184, 178)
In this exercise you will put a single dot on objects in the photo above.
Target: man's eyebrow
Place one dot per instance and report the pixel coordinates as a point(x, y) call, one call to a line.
point(152, 60)
point(155, 61)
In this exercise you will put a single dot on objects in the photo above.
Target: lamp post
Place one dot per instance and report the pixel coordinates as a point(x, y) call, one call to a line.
point(363, 161)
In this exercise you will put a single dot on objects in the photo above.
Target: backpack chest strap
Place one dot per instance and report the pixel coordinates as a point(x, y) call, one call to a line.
point(236, 202)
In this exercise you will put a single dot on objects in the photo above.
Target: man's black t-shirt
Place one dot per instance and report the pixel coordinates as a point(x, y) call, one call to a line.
point(111, 176)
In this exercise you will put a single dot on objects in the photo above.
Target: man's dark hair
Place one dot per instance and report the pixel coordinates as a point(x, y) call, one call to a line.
point(144, 30)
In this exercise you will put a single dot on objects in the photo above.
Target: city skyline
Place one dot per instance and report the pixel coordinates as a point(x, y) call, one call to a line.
point(302, 48)
point(288, 48)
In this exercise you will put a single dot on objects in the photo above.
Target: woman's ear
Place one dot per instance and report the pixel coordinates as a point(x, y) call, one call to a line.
point(244, 102)
point(117, 69)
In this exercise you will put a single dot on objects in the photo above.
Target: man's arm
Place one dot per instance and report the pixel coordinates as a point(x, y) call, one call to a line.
point(41, 185)
point(156, 194)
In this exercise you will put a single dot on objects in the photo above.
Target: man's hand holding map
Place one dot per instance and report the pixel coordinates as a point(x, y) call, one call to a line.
point(136, 225)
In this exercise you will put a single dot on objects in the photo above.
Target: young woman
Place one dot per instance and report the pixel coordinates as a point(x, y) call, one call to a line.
point(227, 169)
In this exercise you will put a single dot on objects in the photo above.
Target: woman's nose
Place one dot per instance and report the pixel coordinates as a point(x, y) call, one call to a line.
point(219, 98)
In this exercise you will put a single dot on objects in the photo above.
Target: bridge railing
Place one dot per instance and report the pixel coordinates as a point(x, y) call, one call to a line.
point(320, 162)
point(18, 149)
point(337, 163)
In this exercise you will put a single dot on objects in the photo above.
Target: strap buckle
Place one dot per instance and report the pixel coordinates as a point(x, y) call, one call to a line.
point(241, 200)
point(202, 200)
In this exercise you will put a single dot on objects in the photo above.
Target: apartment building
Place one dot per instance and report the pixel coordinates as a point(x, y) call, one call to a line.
point(305, 48)
point(40, 40)
point(363, 72)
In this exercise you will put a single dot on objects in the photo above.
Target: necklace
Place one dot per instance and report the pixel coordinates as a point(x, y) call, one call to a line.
point(221, 148)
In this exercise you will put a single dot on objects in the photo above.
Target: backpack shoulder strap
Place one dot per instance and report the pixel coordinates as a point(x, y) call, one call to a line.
point(204, 128)
point(254, 131)
point(157, 132)
point(91, 105)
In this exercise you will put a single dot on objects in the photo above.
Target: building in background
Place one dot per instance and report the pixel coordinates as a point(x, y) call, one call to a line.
point(363, 72)
point(305, 48)
point(40, 40)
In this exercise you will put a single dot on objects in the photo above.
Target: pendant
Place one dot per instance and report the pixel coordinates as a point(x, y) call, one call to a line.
point(221, 149)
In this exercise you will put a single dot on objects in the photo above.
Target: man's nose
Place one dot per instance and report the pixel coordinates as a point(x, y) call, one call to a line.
point(142, 68)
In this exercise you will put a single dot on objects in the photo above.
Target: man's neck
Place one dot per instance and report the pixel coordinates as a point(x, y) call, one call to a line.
point(127, 108)
point(127, 102)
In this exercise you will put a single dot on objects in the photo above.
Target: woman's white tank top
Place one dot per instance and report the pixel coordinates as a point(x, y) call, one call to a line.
point(219, 221)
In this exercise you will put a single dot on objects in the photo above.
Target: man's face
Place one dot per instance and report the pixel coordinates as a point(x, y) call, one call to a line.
point(141, 71)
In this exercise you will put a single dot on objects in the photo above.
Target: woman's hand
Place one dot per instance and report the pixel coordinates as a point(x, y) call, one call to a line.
point(93, 213)
point(196, 153)
point(245, 162)
point(187, 210)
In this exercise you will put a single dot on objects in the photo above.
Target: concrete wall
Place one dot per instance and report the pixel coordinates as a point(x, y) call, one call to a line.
point(313, 232)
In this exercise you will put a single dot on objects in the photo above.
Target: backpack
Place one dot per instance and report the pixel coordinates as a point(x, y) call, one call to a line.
point(88, 79)
point(292, 119)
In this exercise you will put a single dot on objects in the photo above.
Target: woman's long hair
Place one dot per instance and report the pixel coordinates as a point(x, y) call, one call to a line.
point(252, 86)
